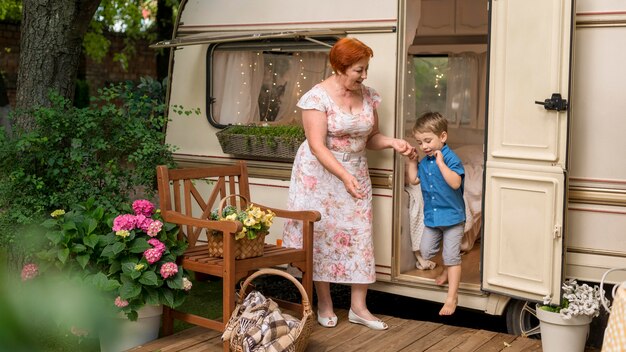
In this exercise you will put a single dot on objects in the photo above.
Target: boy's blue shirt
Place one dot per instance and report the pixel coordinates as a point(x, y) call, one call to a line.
point(443, 206)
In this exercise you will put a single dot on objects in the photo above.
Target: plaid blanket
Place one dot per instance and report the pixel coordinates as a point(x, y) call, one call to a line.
point(258, 325)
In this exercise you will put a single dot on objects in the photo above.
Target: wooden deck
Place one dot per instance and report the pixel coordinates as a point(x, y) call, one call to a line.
point(403, 335)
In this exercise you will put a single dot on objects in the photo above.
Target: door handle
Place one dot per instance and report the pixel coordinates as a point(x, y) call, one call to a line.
point(554, 103)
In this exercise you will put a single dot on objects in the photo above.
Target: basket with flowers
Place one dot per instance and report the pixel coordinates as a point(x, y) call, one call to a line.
point(250, 242)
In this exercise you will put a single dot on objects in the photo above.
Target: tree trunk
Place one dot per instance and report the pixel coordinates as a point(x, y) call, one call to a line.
point(50, 48)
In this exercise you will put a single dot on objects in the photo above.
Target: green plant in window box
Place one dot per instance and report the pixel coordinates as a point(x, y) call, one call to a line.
point(275, 142)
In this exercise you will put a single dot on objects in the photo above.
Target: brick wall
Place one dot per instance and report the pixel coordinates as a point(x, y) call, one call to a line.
point(143, 62)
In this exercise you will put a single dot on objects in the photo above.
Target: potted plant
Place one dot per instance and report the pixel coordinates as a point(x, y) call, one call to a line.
point(273, 142)
point(251, 240)
point(566, 327)
point(129, 258)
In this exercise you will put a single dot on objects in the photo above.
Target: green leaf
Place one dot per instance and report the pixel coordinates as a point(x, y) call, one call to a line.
point(168, 297)
point(83, 260)
point(151, 295)
point(78, 248)
point(69, 226)
point(113, 249)
point(132, 315)
point(91, 226)
point(115, 267)
point(63, 254)
point(102, 282)
point(55, 236)
point(128, 268)
point(139, 245)
point(91, 241)
point(177, 281)
point(149, 278)
point(129, 290)
point(50, 223)
point(167, 226)
point(98, 213)
point(107, 240)
point(179, 298)
point(135, 274)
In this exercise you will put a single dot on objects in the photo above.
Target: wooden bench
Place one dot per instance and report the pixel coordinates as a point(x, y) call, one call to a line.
point(187, 197)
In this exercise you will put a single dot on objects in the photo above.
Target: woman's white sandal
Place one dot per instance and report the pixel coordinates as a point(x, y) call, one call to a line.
point(330, 322)
point(372, 324)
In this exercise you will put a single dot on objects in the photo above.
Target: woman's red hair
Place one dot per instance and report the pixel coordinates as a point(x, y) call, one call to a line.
point(346, 52)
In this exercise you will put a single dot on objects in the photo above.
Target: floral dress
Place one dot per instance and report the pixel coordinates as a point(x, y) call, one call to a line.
point(343, 250)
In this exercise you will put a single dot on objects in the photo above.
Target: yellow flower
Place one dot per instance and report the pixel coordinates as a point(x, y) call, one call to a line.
point(231, 217)
point(122, 233)
point(256, 212)
point(241, 234)
point(57, 213)
point(139, 267)
point(250, 221)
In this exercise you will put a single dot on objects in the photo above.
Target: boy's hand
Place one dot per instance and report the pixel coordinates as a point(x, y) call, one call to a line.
point(438, 157)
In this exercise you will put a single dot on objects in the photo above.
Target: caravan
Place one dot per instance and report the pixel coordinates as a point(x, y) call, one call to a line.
point(532, 90)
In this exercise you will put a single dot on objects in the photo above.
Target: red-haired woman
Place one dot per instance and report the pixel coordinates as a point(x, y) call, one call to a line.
point(330, 174)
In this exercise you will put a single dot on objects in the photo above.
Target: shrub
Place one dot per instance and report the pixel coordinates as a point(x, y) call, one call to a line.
point(107, 151)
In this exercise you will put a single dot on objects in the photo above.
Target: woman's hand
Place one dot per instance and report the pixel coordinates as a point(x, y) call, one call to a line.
point(353, 187)
point(403, 147)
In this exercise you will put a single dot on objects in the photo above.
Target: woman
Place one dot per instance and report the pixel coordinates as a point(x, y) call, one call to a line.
point(330, 174)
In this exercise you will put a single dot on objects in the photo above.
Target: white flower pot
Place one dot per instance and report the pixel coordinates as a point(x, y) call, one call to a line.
point(558, 334)
point(124, 334)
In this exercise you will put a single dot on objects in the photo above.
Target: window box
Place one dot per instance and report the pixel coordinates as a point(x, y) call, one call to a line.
point(275, 143)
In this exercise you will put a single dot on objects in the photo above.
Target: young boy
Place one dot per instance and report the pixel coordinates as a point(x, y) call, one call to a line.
point(441, 175)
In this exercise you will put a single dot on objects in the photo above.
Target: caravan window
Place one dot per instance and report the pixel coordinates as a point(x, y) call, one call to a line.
point(450, 84)
point(262, 82)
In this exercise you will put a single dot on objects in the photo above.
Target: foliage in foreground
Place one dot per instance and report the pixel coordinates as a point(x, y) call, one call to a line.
point(107, 151)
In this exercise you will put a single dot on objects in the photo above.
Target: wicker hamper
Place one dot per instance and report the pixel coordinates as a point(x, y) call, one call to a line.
point(300, 335)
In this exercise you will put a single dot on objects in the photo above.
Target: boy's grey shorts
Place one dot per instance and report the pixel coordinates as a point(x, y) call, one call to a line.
point(452, 237)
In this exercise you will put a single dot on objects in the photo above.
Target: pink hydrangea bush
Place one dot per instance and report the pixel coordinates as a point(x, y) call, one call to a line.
point(145, 261)
point(130, 257)
point(29, 271)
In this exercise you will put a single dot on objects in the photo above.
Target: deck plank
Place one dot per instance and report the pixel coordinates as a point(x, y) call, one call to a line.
point(525, 345)
point(447, 344)
point(474, 342)
point(498, 343)
point(403, 335)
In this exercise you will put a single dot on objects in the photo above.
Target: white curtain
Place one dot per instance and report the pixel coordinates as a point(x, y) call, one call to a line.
point(307, 70)
point(240, 76)
point(462, 92)
point(237, 79)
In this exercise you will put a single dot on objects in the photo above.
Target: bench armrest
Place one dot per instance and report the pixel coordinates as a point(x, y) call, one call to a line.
point(226, 226)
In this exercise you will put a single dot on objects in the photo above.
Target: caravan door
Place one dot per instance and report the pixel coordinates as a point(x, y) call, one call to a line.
point(526, 157)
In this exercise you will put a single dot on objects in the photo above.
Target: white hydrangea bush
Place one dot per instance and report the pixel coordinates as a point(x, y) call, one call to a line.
point(577, 300)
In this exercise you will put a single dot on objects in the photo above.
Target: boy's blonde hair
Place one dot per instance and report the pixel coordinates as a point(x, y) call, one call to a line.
point(431, 121)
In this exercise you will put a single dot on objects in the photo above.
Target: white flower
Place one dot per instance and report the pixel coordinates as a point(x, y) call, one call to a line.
point(579, 300)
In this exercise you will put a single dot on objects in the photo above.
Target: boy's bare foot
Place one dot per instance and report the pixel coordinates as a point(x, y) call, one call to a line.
point(442, 279)
point(449, 306)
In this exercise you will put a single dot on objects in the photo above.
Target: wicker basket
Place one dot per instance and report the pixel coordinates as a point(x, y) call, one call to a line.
point(245, 247)
point(300, 335)
point(258, 146)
